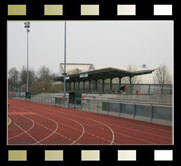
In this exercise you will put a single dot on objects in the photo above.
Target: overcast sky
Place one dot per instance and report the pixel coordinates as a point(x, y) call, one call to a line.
point(102, 43)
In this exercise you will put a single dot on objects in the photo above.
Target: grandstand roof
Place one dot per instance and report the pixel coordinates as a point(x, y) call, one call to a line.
point(103, 74)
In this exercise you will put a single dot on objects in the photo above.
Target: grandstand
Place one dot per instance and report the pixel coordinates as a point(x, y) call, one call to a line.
point(81, 74)
point(90, 79)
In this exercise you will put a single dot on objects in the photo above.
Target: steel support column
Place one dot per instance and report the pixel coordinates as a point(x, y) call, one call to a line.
point(83, 85)
point(119, 83)
point(131, 85)
point(102, 85)
point(89, 85)
point(67, 85)
point(74, 85)
point(96, 85)
point(70, 86)
point(78, 85)
point(111, 84)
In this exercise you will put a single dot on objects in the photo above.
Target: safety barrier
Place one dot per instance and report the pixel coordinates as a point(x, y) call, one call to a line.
point(159, 114)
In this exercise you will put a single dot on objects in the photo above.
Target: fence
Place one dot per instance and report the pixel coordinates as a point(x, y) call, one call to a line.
point(143, 88)
point(160, 114)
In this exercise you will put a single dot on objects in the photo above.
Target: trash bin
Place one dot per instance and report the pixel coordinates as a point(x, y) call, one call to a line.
point(75, 98)
point(78, 98)
point(71, 97)
point(28, 95)
point(104, 106)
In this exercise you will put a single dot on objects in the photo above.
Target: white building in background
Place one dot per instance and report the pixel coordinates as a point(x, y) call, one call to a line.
point(76, 67)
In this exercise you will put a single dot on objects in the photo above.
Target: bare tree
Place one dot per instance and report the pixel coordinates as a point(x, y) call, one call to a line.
point(23, 76)
point(44, 73)
point(162, 76)
point(13, 79)
point(135, 79)
point(18, 80)
point(132, 80)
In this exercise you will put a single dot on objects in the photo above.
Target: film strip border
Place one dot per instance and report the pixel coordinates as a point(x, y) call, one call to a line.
point(91, 155)
point(17, 10)
point(89, 10)
point(94, 10)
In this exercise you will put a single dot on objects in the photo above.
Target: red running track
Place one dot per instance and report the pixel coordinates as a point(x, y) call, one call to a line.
point(38, 124)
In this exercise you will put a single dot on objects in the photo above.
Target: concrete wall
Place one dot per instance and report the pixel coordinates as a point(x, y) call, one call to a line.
point(130, 107)
point(154, 99)
point(149, 113)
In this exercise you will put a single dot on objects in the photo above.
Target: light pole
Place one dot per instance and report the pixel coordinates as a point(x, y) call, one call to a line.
point(27, 26)
point(65, 75)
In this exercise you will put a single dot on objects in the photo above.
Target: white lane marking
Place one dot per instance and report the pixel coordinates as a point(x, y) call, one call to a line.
point(68, 118)
point(111, 119)
point(125, 135)
point(76, 128)
point(112, 141)
point(112, 125)
point(45, 118)
point(128, 129)
point(53, 130)
point(142, 132)
point(138, 130)
point(22, 132)
point(131, 129)
point(112, 132)
point(37, 142)
point(83, 130)
point(73, 142)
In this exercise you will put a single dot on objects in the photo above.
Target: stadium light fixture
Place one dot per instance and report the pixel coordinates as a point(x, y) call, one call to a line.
point(65, 75)
point(27, 27)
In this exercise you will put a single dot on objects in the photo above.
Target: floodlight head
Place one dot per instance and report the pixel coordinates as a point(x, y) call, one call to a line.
point(27, 24)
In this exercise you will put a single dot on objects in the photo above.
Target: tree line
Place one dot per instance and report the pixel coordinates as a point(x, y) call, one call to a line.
point(38, 81)
point(43, 79)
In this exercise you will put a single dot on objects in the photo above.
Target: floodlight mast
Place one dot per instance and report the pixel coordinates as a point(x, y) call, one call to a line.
point(65, 75)
point(27, 26)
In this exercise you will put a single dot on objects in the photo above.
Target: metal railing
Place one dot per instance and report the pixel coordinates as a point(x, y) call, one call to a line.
point(143, 88)
point(139, 111)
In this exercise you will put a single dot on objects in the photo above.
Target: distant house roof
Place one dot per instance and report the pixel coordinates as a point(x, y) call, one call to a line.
point(103, 73)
